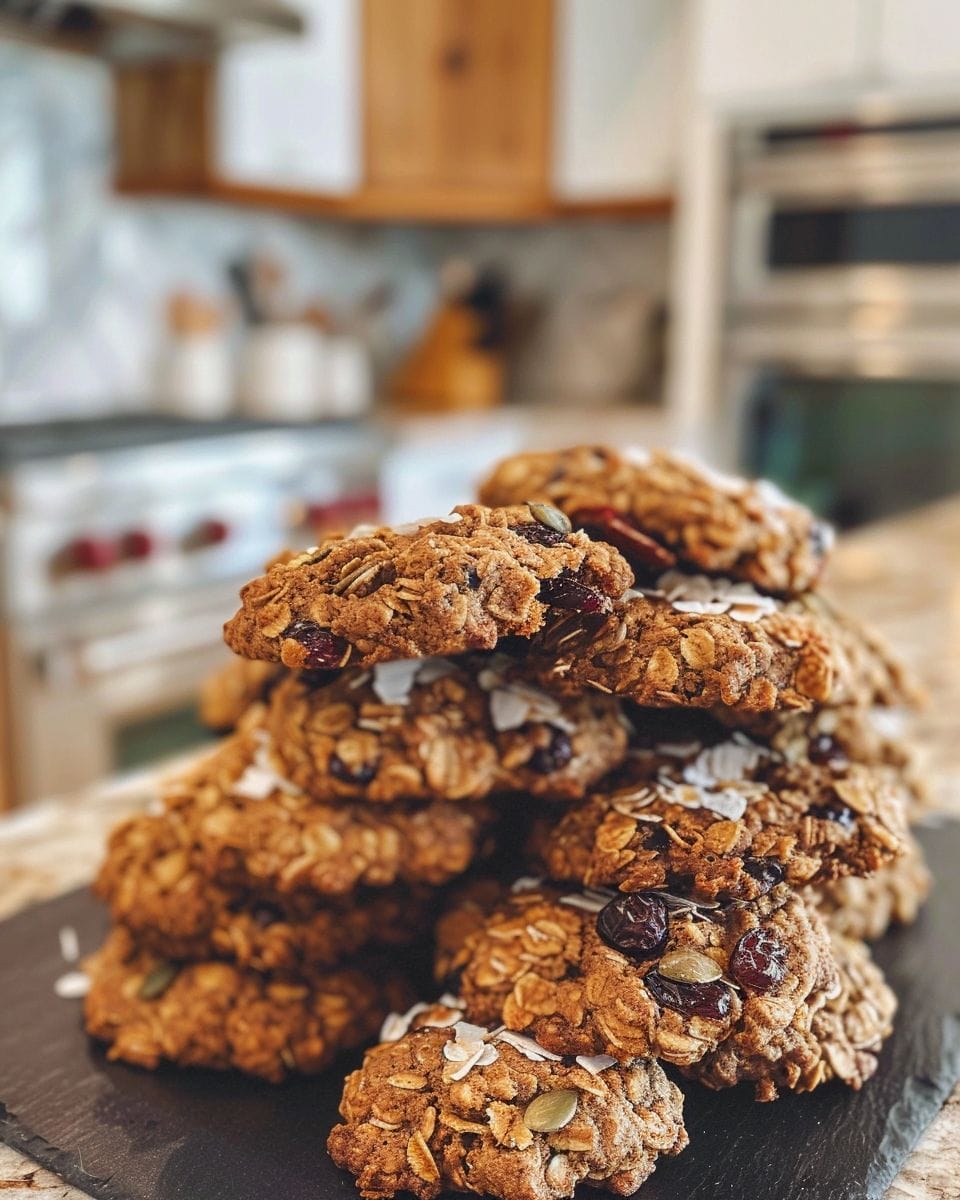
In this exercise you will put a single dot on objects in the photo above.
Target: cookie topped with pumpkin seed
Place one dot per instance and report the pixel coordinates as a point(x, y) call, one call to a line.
point(437, 587)
point(664, 509)
point(460, 1108)
point(722, 816)
point(696, 642)
point(213, 1014)
point(640, 974)
point(439, 728)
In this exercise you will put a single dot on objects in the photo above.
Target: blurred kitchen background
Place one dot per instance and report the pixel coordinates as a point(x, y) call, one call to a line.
point(272, 267)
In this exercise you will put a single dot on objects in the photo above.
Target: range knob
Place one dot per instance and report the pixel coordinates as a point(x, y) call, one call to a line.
point(137, 544)
point(92, 553)
point(210, 532)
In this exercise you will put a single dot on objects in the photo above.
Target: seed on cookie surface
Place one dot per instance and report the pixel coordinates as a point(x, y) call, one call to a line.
point(689, 966)
point(157, 981)
point(551, 1111)
point(552, 517)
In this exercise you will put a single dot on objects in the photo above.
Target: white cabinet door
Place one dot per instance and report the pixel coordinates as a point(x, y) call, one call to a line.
point(288, 111)
point(615, 97)
point(772, 46)
point(919, 40)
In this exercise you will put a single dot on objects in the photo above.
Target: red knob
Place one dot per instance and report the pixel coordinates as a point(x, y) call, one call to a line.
point(93, 553)
point(210, 533)
point(136, 544)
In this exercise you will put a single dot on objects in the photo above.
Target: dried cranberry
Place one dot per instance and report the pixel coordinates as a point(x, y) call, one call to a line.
point(358, 775)
point(547, 759)
point(607, 525)
point(323, 650)
point(636, 924)
point(656, 837)
point(758, 961)
point(567, 590)
point(709, 1000)
point(836, 811)
point(473, 579)
point(827, 752)
point(540, 535)
point(317, 679)
point(766, 871)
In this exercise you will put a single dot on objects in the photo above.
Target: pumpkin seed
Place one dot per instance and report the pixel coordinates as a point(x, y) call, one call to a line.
point(552, 517)
point(688, 966)
point(157, 981)
point(550, 1111)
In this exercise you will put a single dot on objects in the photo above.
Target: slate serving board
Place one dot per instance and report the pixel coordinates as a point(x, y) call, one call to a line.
point(125, 1134)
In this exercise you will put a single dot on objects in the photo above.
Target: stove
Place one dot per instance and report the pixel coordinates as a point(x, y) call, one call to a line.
point(122, 547)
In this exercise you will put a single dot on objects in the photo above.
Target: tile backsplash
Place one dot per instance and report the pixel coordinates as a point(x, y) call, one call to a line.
point(84, 274)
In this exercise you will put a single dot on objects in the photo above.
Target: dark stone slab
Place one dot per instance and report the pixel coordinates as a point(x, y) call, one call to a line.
point(124, 1134)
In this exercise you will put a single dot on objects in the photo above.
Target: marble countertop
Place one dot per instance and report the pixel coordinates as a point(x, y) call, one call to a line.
point(902, 575)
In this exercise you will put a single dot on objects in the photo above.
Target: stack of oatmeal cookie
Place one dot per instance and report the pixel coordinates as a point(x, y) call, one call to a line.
point(653, 771)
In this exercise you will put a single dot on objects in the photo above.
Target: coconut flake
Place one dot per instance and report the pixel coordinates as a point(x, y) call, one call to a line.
point(526, 883)
point(637, 456)
point(703, 595)
point(392, 681)
point(590, 900)
point(508, 709)
point(595, 1063)
point(72, 986)
point(397, 1024)
point(69, 944)
point(261, 777)
point(527, 1046)
point(432, 669)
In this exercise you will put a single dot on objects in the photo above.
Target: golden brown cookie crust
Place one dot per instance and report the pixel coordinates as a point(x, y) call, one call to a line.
point(216, 1015)
point(444, 587)
point(155, 890)
point(539, 964)
point(837, 1035)
point(459, 730)
point(726, 820)
point(245, 826)
point(865, 908)
point(409, 1127)
point(227, 694)
point(649, 652)
point(714, 523)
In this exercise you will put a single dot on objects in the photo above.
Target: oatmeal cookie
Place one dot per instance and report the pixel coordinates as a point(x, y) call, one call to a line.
point(155, 890)
point(724, 818)
point(215, 1015)
point(836, 1035)
point(462, 1109)
point(662, 509)
point(640, 975)
point(227, 694)
point(866, 908)
point(444, 729)
point(441, 587)
point(243, 825)
point(692, 641)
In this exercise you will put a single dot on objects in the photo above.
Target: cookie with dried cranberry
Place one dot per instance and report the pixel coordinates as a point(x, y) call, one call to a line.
point(867, 907)
point(645, 974)
point(464, 1109)
point(721, 816)
point(446, 729)
point(837, 1035)
point(664, 510)
point(243, 824)
point(697, 642)
point(439, 587)
point(154, 888)
point(214, 1014)
point(227, 694)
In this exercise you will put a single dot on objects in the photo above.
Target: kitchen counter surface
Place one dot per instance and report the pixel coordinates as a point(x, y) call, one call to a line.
point(902, 575)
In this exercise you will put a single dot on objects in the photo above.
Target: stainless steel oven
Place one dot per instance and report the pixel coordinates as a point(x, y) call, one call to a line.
point(841, 352)
point(122, 546)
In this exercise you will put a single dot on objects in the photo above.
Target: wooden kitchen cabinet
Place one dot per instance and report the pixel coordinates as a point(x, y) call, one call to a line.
point(408, 110)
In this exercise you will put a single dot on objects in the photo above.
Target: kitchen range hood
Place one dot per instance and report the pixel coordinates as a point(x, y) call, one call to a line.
point(125, 29)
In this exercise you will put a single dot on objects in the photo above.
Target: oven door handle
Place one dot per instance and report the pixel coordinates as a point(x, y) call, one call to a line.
point(138, 647)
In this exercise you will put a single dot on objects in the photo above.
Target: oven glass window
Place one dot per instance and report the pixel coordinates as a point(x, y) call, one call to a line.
point(146, 741)
point(855, 449)
point(897, 234)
